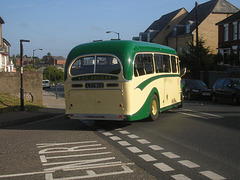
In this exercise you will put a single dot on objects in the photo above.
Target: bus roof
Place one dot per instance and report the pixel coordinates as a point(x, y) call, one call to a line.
point(124, 50)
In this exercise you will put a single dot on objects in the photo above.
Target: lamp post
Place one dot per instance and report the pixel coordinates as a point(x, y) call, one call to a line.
point(33, 56)
point(21, 75)
point(115, 33)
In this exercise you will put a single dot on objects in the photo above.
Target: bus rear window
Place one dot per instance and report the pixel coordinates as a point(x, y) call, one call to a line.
point(95, 64)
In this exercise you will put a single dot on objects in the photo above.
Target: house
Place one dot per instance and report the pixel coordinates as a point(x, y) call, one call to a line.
point(5, 64)
point(229, 38)
point(56, 60)
point(209, 14)
point(158, 31)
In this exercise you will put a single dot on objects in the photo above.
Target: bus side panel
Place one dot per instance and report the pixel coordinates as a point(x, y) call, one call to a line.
point(172, 91)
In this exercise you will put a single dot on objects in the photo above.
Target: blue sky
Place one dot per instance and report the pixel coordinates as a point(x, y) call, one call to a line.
point(56, 26)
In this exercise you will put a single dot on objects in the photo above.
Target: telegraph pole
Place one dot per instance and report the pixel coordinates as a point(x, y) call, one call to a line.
point(198, 63)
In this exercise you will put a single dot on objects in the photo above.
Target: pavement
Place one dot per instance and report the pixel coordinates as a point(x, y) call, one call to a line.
point(53, 107)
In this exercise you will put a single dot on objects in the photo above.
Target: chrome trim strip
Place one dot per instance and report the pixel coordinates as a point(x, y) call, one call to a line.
point(97, 117)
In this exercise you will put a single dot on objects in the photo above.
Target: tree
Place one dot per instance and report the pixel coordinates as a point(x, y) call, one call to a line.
point(49, 73)
point(197, 58)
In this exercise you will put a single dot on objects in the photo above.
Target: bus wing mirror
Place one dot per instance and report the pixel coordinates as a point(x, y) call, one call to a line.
point(184, 72)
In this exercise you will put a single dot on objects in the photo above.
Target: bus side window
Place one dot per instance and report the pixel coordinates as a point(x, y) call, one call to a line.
point(158, 63)
point(174, 65)
point(166, 63)
point(138, 66)
point(148, 63)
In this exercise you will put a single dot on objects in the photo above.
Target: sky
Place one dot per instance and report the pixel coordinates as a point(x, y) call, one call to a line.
point(57, 26)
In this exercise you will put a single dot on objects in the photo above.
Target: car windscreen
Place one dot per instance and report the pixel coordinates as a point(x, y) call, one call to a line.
point(197, 83)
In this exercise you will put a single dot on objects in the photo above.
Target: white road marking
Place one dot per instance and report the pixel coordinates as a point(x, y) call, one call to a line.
point(163, 167)
point(134, 149)
point(23, 174)
point(170, 155)
point(156, 147)
point(124, 143)
point(209, 114)
point(193, 115)
point(212, 175)
point(43, 145)
point(124, 132)
point(143, 141)
point(70, 149)
point(92, 174)
point(189, 164)
point(44, 158)
point(133, 136)
point(107, 134)
point(180, 177)
point(73, 162)
point(147, 157)
point(115, 138)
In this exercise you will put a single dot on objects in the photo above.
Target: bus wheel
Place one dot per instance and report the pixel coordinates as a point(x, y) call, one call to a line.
point(154, 113)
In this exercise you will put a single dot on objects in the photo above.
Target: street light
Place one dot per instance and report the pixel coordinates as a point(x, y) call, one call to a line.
point(33, 56)
point(21, 76)
point(115, 33)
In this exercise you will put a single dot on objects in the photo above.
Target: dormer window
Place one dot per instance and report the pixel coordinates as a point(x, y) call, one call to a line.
point(188, 26)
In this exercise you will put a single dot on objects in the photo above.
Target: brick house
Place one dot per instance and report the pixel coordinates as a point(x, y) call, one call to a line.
point(229, 37)
point(209, 14)
point(158, 31)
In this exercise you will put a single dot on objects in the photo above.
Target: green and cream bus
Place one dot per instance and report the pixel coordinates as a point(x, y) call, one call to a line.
point(121, 80)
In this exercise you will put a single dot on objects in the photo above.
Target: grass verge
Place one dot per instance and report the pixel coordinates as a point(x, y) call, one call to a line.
point(10, 103)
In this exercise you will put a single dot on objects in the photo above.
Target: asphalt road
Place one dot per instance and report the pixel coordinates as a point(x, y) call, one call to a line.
point(199, 141)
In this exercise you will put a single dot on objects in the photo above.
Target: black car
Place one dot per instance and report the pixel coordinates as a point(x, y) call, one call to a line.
point(227, 88)
point(195, 89)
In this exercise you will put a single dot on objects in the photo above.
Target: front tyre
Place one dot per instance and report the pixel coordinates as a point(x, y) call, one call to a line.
point(154, 111)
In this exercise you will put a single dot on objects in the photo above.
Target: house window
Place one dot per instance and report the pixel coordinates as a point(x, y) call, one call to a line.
point(239, 30)
point(188, 28)
point(226, 32)
point(235, 31)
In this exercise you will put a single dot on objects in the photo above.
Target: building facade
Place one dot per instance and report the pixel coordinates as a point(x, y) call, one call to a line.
point(208, 14)
point(229, 39)
point(177, 28)
point(5, 64)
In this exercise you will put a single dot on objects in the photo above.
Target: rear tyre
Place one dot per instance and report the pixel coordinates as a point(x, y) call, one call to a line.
point(154, 109)
point(214, 98)
point(189, 95)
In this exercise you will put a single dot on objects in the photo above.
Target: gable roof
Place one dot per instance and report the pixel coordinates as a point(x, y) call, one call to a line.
point(163, 21)
point(212, 6)
point(1, 20)
point(232, 18)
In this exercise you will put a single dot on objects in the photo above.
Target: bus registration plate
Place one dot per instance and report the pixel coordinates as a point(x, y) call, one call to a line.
point(94, 85)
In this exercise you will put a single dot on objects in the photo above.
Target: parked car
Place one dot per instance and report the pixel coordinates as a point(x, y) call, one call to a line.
point(193, 89)
point(46, 84)
point(227, 88)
